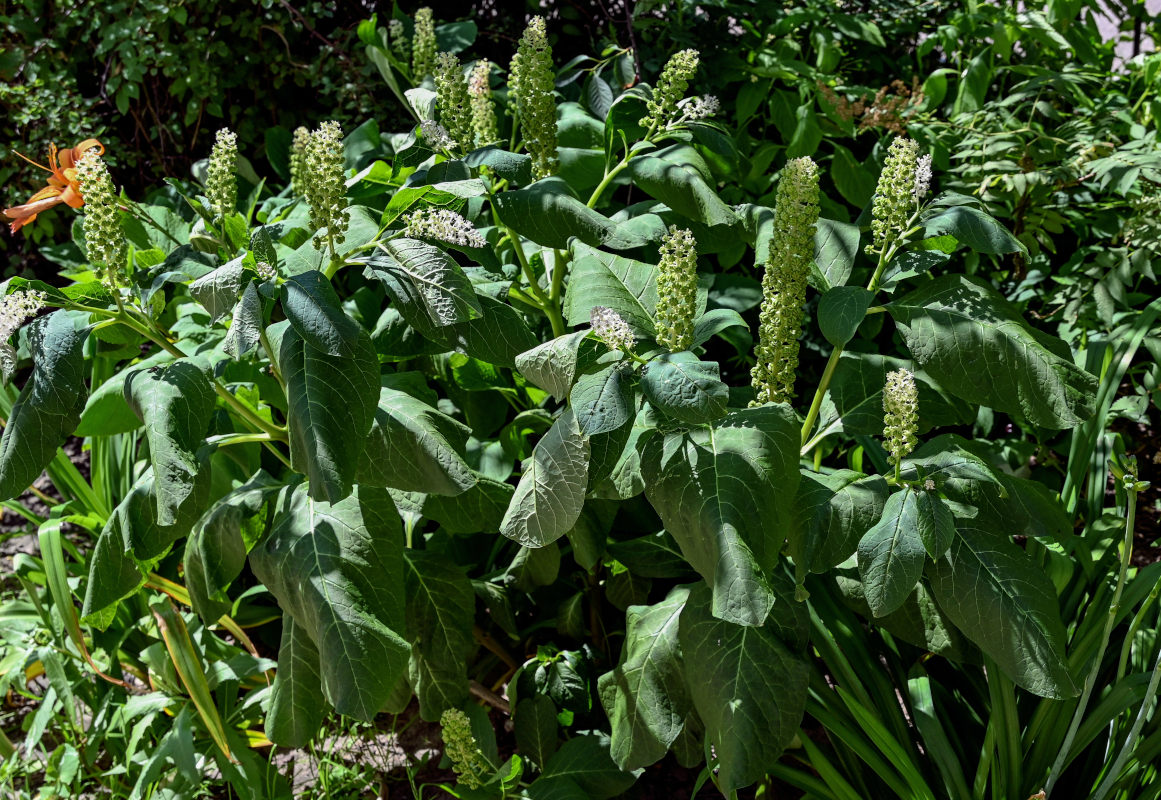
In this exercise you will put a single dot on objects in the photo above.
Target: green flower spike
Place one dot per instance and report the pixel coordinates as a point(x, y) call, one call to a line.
point(462, 750)
point(670, 89)
point(895, 194)
point(677, 290)
point(900, 414)
point(400, 42)
point(326, 187)
point(483, 109)
point(104, 239)
point(221, 181)
point(784, 283)
point(423, 46)
point(531, 84)
point(298, 150)
point(455, 107)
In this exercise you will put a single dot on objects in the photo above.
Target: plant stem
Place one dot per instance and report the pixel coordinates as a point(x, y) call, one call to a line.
point(1130, 741)
point(816, 403)
point(605, 181)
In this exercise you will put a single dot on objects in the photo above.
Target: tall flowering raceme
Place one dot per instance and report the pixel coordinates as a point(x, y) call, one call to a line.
point(784, 283)
point(298, 167)
point(677, 290)
point(221, 179)
point(462, 749)
point(670, 89)
point(63, 186)
point(531, 83)
point(455, 107)
point(15, 309)
point(895, 194)
point(443, 225)
point(104, 238)
point(900, 414)
point(400, 42)
point(423, 45)
point(326, 183)
point(483, 109)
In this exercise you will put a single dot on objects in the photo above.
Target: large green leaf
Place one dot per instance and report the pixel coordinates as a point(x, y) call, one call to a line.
point(726, 494)
point(976, 345)
point(338, 570)
point(645, 696)
point(681, 385)
point(553, 365)
point(891, 554)
point(831, 513)
point(1006, 604)
point(415, 448)
point(440, 613)
point(548, 213)
point(979, 231)
point(316, 314)
point(551, 493)
point(603, 400)
point(331, 405)
point(671, 176)
point(217, 291)
point(747, 683)
point(245, 332)
point(625, 285)
point(49, 405)
point(584, 761)
point(535, 727)
point(175, 402)
point(297, 702)
point(420, 276)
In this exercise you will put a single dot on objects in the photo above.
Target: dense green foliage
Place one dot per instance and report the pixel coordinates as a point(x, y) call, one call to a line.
point(767, 436)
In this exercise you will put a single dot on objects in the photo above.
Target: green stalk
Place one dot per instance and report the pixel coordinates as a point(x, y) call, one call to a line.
point(1131, 741)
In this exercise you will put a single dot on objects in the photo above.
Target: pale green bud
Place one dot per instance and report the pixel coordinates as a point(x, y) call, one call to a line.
point(298, 148)
point(104, 239)
point(455, 109)
point(326, 182)
point(483, 109)
point(670, 89)
point(221, 181)
point(610, 329)
point(531, 86)
point(784, 283)
point(894, 195)
point(423, 45)
point(461, 748)
point(677, 290)
point(900, 414)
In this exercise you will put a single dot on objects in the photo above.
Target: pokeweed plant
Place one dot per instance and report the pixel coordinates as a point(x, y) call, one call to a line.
point(449, 401)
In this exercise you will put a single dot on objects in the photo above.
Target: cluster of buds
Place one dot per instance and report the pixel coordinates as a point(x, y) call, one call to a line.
point(400, 43)
point(677, 290)
point(104, 239)
point(298, 150)
point(670, 89)
point(15, 309)
point(784, 283)
point(423, 46)
point(443, 225)
point(221, 181)
point(455, 108)
point(922, 177)
point(900, 414)
point(435, 135)
point(326, 186)
point(462, 750)
point(894, 195)
point(697, 108)
point(483, 110)
point(265, 271)
point(531, 81)
point(610, 329)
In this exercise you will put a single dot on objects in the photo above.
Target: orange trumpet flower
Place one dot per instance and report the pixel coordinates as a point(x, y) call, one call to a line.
point(63, 186)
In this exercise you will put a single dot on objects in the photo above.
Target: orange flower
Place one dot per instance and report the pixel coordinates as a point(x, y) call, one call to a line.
point(63, 186)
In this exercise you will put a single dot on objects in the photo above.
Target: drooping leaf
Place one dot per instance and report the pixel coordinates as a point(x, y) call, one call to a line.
point(584, 761)
point(623, 284)
point(603, 400)
point(683, 386)
point(835, 246)
point(440, 612)
point(891, 554)
point(338, 570)
point(425, 279)
point(978, 230)
point(840, 311)
point(218, 290)
point(317, 316)
point(671, 176)
point(245, 332)
point(934, 523)
point(297, 703)
point(832, 512)
point(553, 365)
point(535, 728)
point(548, 213)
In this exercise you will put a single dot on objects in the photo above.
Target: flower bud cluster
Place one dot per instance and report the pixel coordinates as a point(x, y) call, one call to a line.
point(104, 239)
point(443, 225)
point(15, 309)
point(900, 414)
point(298, 150)
point(455, 108)
point(400, 42)
point(677, 290)
point(922, 177)
point(221, 180)
point(531, 83)
point(483, 110)
point(697, 108)
point(326, 185)
point(894, 195)
point(613, 331)
point(435, 135)
point(265, 271)
point(423, 45)
point(671, 86)
point(784, 283)
point(461, 748)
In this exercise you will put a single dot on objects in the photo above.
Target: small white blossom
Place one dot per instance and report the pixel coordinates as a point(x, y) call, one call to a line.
point(929, 485)
point(696, 108)
point(435, 135)
point(265, 271)
point(15, 309)
point(443, 225)
point(922, 177)
point(611, 329)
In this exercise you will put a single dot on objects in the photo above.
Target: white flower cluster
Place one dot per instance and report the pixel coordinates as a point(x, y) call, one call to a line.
point(922, 177)
point(695, 108)
point(14, 310)
point(443, 225)
point(435, 135)
point(265, 271)
point(612, 330)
